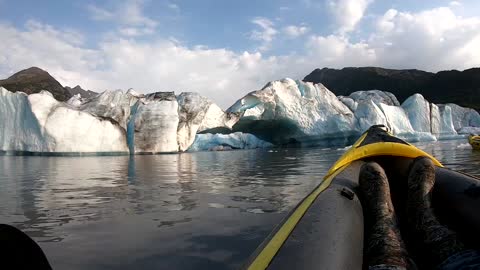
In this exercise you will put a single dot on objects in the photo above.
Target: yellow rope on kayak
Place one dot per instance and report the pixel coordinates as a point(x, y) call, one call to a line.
point(270, 250)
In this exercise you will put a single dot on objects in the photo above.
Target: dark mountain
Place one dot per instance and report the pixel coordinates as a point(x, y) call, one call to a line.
point(460, 87)
point(79, 90)
point(33, 80)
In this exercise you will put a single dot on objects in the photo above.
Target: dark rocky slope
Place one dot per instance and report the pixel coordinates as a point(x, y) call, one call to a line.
point(460, 87)
point(33, 80)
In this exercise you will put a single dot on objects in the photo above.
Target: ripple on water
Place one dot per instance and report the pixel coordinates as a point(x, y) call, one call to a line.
point(139, 211)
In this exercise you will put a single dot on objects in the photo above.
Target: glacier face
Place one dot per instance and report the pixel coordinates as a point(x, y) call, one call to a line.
point(218, 142)
point(303, 112)
point(40, 123)
point(112, 121)
point(283, 112)
point(19, 129)
point(155, 124)
point(110, 104)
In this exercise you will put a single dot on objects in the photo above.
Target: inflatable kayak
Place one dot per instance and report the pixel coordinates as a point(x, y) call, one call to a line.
point(474, 141)
point(326, 229)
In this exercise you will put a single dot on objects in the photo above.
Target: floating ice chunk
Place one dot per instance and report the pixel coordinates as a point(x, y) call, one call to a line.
point(464, 146)
point(237, 140)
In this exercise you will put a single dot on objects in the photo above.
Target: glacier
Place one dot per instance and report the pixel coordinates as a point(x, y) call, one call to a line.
point(111, 122)
point(283, 113)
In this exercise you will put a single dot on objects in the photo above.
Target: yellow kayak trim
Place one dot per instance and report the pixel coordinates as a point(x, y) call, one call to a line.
point(379, 149)
point(264, 258)
point(266, 255)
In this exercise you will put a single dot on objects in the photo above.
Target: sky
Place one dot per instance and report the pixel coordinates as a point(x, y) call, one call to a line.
point(224, 49)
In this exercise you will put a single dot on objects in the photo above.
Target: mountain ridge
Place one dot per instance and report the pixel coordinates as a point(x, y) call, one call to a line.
point(448, 86)
point(34, 79)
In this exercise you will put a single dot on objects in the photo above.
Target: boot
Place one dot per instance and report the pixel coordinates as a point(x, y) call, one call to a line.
point(384, 244)
point(436, 240)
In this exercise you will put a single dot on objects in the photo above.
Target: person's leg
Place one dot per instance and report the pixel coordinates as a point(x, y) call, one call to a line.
point(440, 246)
point(384, 247)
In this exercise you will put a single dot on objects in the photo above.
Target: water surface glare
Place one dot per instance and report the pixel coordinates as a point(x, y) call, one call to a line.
point(180, 211)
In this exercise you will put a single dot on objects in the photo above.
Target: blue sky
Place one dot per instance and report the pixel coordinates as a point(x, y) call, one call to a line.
point(224, 49)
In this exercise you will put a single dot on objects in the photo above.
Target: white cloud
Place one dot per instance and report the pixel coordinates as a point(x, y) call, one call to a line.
point(160, 65)
point(422, 40)
point(173, 6)
point(347, 13)
point(399, 40)
point(266, 34)
point(129, 15)
point(293, 31)
point(338, 51)
point(455, 3)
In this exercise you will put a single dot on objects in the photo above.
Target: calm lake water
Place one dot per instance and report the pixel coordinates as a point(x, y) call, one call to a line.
point(192, 210)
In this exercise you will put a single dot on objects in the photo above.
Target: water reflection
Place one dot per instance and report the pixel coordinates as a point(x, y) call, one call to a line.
point(182, 211)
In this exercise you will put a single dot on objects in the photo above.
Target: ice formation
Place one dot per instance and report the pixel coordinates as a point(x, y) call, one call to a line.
point(283, 112)
point(19, 129)
point(155, 124)
point(301, 111)
point(112, 121)
point(237, 140)
point(376, 96)
point(40, 123)
point(197, 114)
point(114, 105)
point(464, 117)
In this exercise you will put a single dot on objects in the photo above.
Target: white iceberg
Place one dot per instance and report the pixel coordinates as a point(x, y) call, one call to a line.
point(300, 110)
point(65, 129)
point(40, 123)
